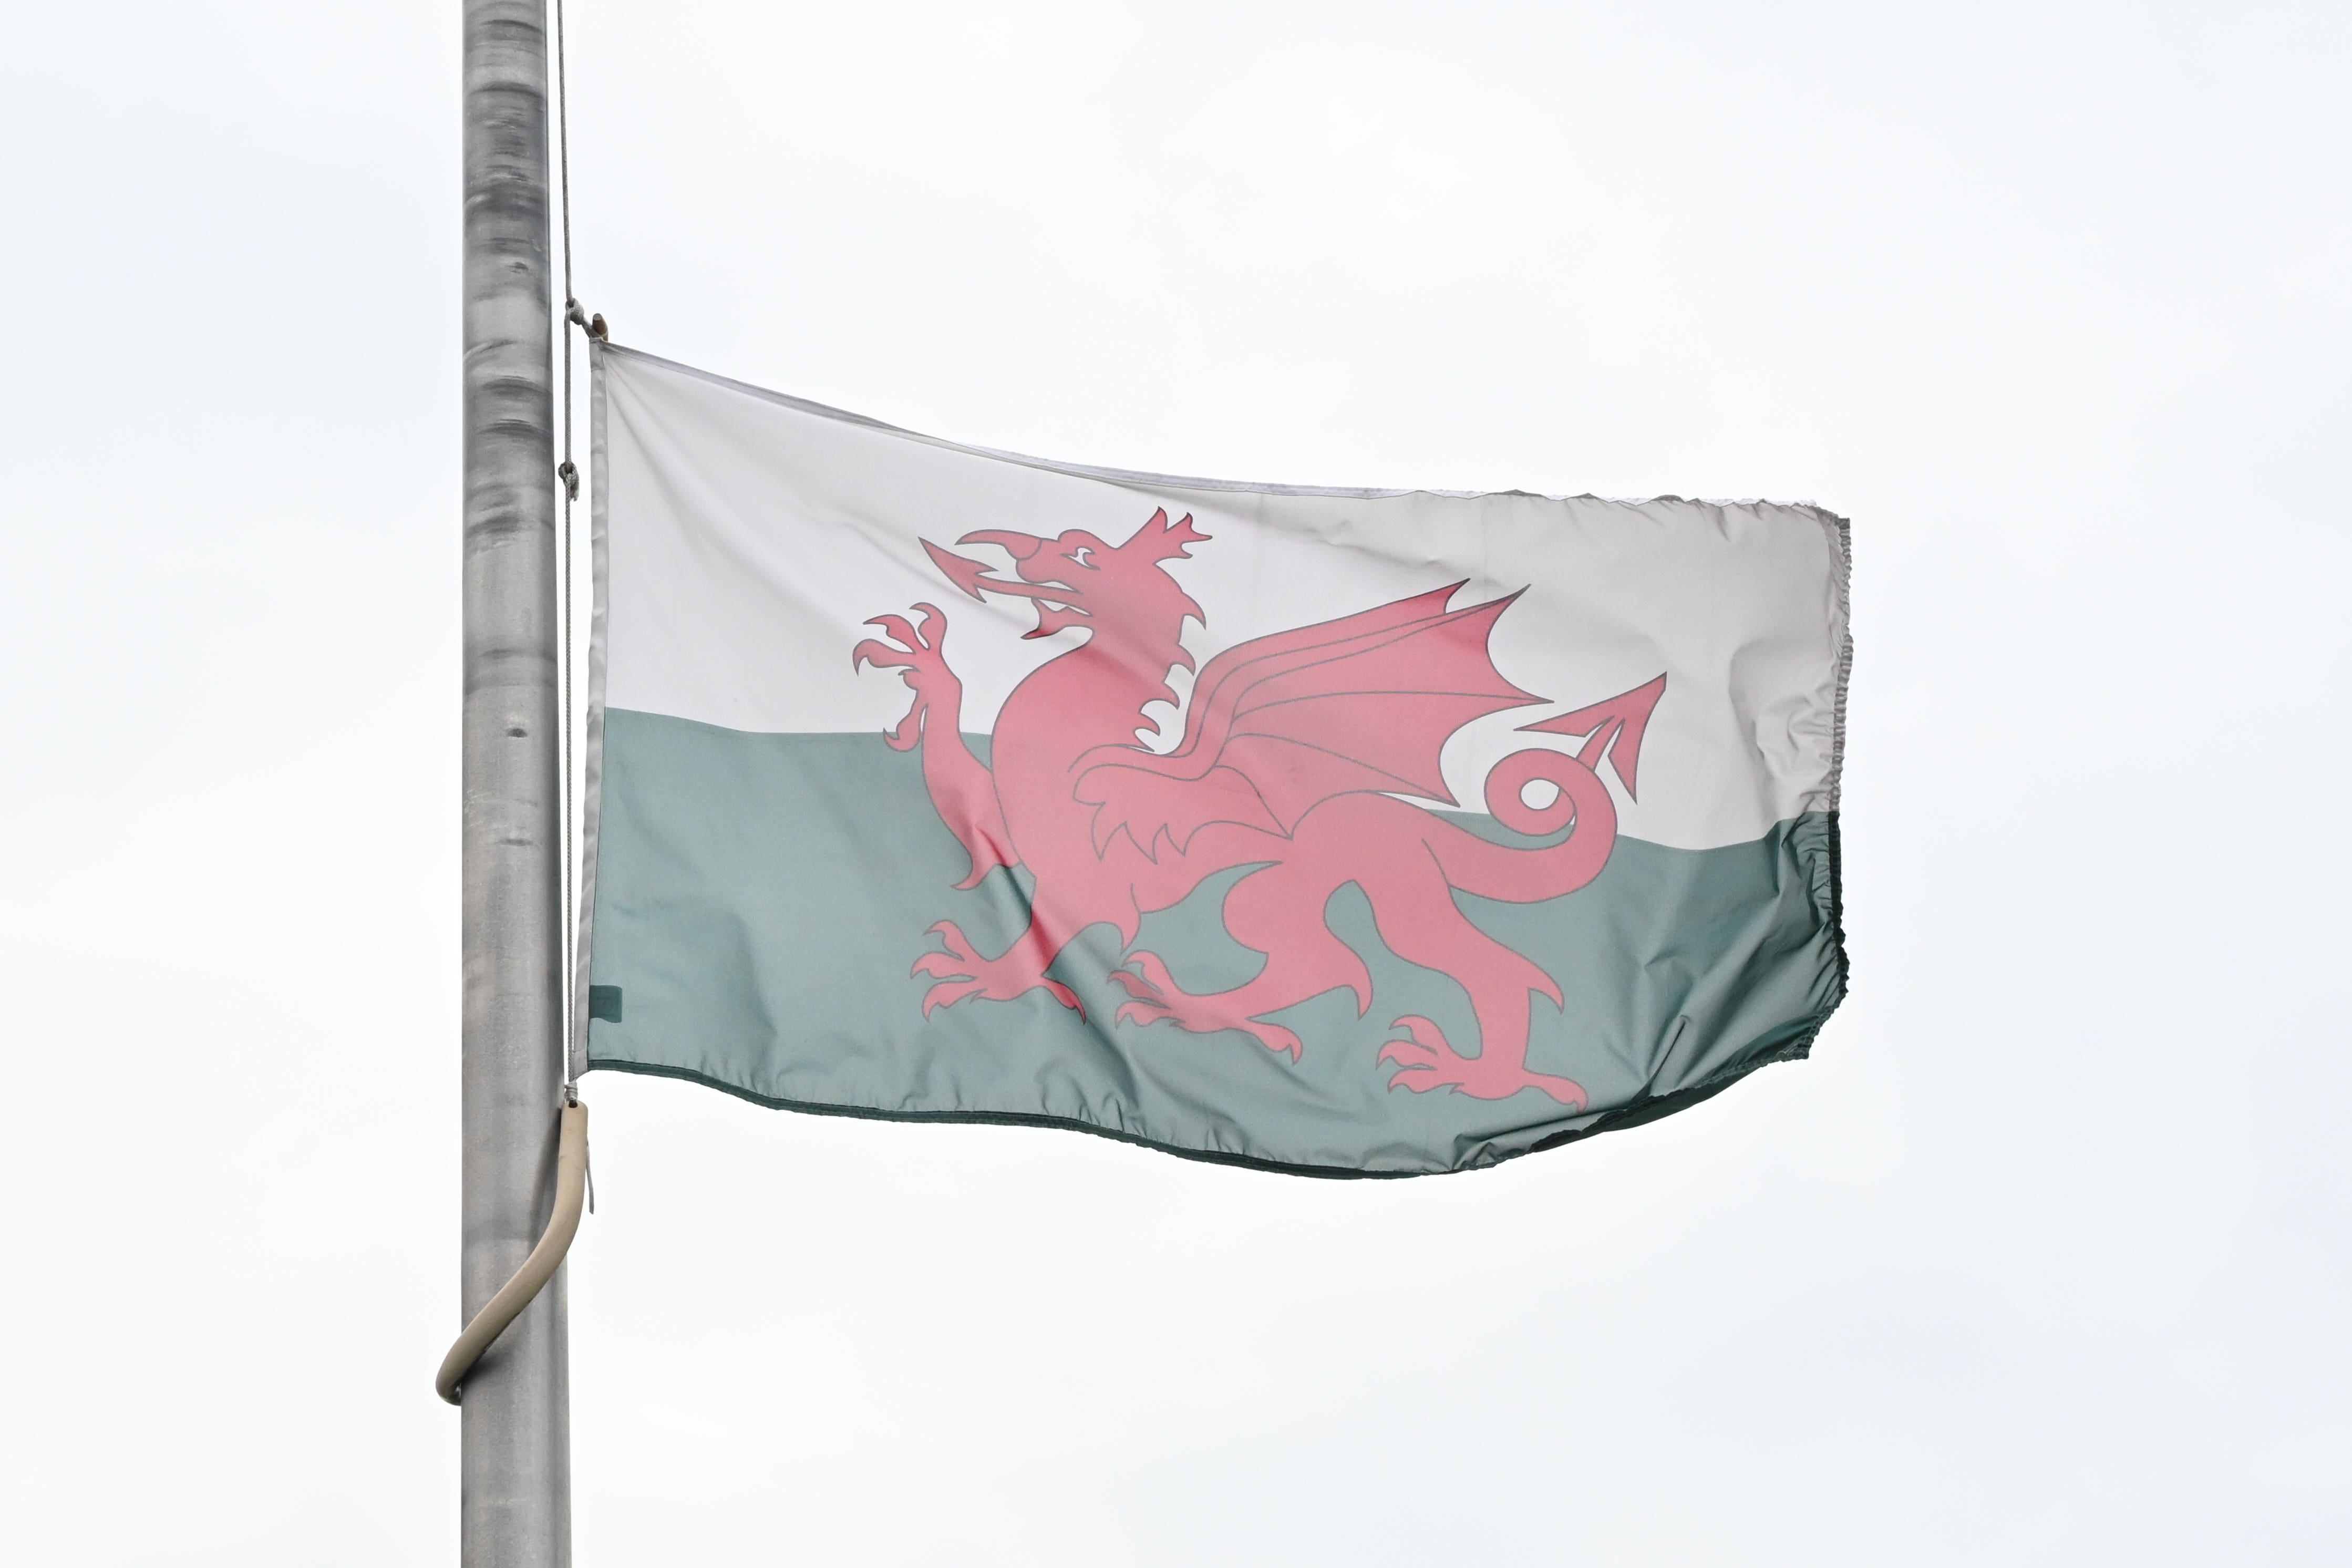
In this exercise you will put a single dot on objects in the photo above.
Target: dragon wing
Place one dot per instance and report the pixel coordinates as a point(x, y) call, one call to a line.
point(1280, 723)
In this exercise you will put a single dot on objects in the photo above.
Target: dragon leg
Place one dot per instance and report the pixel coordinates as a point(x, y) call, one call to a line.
point(1412, 901)
point(1279, 912)
point(1433, 932)
point(962, 790)
point(963, 973)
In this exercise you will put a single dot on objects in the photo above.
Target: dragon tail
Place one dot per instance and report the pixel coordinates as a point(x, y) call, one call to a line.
point(1519, 876)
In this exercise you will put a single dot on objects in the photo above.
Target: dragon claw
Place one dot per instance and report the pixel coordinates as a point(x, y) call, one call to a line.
point(948, 992)
point(1156, 997)
point(1140, 987)
point(1276, 1038)
point(963, 973)
point(1149, 1003)
point(1423, 1063)
point(1413, 1054)
point(916, 654)
point(1144, 968)
point(901, 630)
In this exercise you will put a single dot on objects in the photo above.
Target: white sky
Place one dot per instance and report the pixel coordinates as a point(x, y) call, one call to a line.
point(2043, 1259)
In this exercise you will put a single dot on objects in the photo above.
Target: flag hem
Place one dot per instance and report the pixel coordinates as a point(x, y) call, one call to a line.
point(1172, 481)
point(1648, 1108)
point(592, 781)
point(1840, 532)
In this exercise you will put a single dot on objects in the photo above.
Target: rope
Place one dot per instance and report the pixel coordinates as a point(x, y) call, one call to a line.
point(568, 1011)
point(570, 474)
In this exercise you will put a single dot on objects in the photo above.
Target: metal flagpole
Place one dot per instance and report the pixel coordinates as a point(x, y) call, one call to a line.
point(515, 1507)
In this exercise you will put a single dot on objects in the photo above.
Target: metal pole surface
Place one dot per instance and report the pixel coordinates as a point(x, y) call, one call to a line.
point(516, 1508)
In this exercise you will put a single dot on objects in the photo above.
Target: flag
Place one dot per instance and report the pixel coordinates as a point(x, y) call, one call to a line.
point(1333, 831)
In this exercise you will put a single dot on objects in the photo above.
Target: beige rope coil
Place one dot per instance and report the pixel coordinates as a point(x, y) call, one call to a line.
point(570, 1189)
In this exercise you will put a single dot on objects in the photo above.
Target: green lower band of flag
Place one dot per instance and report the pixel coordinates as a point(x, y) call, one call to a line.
point(760, 900)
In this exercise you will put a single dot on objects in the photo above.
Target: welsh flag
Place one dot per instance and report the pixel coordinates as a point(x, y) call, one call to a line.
point(1333, 831)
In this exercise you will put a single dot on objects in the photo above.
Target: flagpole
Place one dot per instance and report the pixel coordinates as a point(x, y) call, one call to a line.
point(515, 1508)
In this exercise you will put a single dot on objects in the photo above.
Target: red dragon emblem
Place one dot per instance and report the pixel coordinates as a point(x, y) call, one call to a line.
point(1296, 750)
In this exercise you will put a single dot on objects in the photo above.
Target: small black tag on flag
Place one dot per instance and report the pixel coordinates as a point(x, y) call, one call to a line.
point(604, 1002)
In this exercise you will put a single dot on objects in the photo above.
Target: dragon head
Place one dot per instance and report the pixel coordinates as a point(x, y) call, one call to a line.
point(1076, 579)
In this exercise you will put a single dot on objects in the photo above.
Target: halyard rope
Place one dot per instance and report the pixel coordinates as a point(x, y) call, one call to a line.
point(571, 478)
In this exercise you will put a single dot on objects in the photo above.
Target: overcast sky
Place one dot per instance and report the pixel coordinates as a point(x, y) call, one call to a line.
point(2041, 1259)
